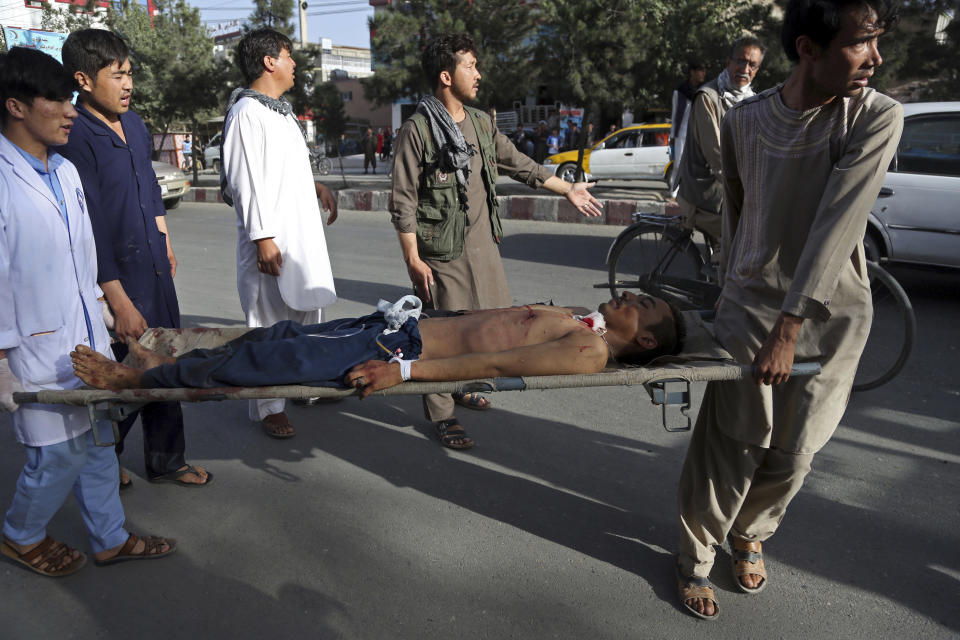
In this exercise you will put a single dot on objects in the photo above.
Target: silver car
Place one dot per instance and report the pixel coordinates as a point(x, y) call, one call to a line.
point(916, 219)
point(173, 183)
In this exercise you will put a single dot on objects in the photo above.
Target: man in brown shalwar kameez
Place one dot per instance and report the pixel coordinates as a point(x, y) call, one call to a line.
point(444, 205)
point(803, 163)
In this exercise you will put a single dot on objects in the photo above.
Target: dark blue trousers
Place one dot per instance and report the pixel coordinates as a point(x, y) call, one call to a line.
point(317, 355)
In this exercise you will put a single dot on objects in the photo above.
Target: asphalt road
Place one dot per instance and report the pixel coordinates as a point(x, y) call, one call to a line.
point(559, 524)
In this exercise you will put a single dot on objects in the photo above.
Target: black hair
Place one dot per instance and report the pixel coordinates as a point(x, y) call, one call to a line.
point(89, 50)
point(821, 20)
point(27, 74)
point(440, 55)
point(670, 334)
point(695, 65)
point(746, 42)
point(254, 46)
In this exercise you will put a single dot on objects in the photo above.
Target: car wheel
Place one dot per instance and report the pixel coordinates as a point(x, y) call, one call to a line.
point(216, 166)
point(171, 204)
point(568, 172)
point(871, 247)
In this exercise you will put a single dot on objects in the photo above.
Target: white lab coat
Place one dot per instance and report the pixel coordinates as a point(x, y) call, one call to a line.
point(267, 167)
point(44, 273)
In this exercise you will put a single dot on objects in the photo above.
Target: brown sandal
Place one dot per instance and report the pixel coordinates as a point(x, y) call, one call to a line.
point(151, 550)
point(690, 588)
point(276, 421)
point(43, 557)
point(747, 561)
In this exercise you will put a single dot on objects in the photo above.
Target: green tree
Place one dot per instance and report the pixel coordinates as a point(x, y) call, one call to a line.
point(502, 30)
point(276, 14)
point(328, 112)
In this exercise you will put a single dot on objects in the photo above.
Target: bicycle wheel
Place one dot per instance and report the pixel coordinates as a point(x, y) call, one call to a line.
point(661, 261)
point(324, 166)
point(891, 333)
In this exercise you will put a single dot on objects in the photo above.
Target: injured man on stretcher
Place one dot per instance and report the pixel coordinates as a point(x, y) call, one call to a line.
point(373, 353)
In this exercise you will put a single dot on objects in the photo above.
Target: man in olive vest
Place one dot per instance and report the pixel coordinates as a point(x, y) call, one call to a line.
point(444, 202)
point(700, 192)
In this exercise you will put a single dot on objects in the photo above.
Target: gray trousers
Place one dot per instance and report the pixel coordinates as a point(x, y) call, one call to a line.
point(708, 222)
point(727, 486)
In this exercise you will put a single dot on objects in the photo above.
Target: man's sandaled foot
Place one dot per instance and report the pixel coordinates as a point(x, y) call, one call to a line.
point(697, 596)
point(748, 569)
point(472, 401)
point(278, 426)
point(47, 557)
point(136, 548)
point(452, 434)
point(186, 476)
point(125, 480)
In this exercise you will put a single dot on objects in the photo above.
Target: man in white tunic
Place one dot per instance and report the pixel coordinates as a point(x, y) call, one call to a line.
point(48, 304)
point(802, 164)
point(283, 270)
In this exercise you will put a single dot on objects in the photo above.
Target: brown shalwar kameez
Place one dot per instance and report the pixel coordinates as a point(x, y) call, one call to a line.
point(797, 190)
point(476, 279)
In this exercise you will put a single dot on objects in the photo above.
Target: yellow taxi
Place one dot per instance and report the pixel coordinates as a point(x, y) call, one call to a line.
point(637, 152)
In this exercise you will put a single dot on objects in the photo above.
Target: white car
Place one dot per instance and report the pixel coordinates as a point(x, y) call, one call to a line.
point(637, 152)
point(916, 219)
point(173, 184)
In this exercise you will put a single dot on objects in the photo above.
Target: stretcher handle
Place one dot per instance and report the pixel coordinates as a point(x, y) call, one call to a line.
point(800, 370)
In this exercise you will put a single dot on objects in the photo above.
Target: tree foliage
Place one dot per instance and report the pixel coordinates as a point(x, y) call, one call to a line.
point(502, 30)
point(328, 112)
point(276, 14)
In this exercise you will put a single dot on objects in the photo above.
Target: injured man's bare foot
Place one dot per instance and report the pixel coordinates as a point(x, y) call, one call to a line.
point(101, 372)
point(143, 358)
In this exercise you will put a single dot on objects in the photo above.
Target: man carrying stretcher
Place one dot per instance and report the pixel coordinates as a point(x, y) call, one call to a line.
point(517, 341)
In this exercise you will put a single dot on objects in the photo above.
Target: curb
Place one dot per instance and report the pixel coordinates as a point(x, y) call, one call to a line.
point(540, 208)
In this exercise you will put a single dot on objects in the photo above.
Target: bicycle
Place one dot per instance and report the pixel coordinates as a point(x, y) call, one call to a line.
point(321, 163)
point(660, 256)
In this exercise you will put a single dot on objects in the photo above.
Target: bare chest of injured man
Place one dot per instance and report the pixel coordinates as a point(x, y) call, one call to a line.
point(497, 330)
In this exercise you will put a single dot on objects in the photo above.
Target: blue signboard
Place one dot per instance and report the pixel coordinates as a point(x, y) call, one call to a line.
point(46, 41)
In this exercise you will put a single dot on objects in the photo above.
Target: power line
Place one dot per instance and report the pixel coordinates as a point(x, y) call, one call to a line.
point(333, 13)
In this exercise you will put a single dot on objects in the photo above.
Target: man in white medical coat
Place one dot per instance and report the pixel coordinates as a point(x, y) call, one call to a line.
point(283, 271)
point(49, 303)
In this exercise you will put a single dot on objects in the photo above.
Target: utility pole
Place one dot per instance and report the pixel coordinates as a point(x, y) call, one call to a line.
point(303, 23)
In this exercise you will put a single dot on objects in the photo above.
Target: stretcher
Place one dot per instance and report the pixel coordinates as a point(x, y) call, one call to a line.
point(667, 381)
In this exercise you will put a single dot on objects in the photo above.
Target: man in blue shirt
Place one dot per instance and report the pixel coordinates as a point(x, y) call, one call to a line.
point(111, 149)
point(48, 301)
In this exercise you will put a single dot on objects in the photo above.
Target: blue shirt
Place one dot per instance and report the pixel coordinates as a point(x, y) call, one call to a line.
point(49, 177)
point(123, 198)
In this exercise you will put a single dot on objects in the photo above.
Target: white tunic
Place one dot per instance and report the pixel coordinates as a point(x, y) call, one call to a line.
point(268, 171)
point(46, 276)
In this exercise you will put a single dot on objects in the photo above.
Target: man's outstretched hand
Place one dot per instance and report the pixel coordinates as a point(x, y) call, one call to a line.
point(581, 198)
point(373, 375)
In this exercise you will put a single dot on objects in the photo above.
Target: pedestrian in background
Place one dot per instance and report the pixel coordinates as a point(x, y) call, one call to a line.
point(369, 151)
point(700, 189)
point(680, 115)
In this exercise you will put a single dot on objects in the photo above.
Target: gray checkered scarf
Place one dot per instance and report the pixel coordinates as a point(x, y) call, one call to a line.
point(453, 151)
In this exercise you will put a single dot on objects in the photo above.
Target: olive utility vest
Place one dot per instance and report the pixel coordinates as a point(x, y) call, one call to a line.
point(441, 219)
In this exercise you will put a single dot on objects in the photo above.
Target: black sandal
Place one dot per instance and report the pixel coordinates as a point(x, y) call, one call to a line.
point(450, 430)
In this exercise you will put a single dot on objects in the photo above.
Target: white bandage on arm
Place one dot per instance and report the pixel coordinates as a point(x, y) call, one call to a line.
point(404, 367)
